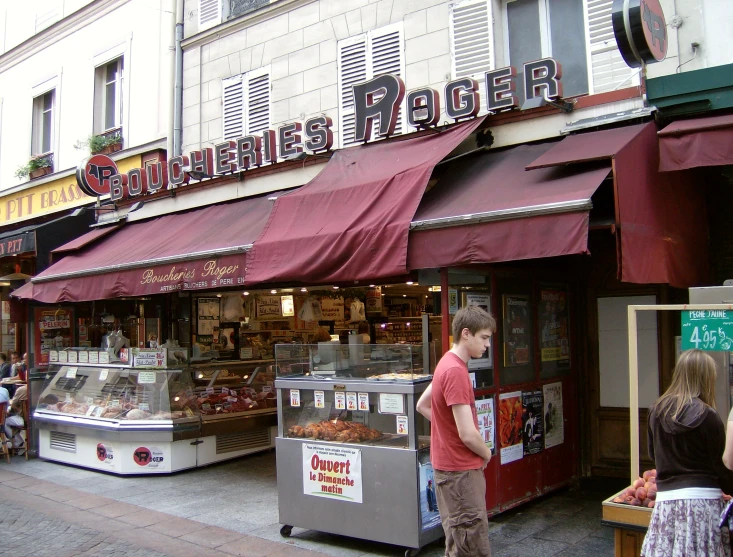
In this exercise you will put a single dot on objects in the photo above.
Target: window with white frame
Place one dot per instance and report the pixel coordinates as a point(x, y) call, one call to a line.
point(361, 58)
point(43, 123)
point(246, 103)
point(576, 33)
point(108, 96)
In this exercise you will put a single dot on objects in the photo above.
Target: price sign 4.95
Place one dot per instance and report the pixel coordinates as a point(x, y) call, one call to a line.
point(710, 329)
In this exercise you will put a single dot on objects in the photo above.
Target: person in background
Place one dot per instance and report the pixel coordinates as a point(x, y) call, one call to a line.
point(15, 418)
point(686, 440)
point(458, 452)
point(15, 363)
point(4, 395)
point(363, 330)
point(5, 368)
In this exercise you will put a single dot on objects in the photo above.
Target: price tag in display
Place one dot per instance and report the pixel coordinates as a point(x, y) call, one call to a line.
point(53, 356)
point(146, 377)
point(232, 399)
point(267, 389)
point(103, 373)
point(209, 390)
point(73, 357)
point(295, 397)
point(320, 399)
point(63, 357)
point(93, 357)
point(104, 357)
point(71, 372)
point(351, 401)
point(402, 428)
point(68, 397)
point(364, 402)
point(340, 400)
point(84, 357)
point(114, 402)
point(133, 400)
point(89, 400)
point(144, 406)
point(232, 392)
point(206, 406)
point(225, 390)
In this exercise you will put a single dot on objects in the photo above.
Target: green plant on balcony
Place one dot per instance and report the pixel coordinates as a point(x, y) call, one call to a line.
point(38, 165)
point(101, 143)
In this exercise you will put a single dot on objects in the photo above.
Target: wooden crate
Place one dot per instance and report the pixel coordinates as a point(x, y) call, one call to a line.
point(629, 524)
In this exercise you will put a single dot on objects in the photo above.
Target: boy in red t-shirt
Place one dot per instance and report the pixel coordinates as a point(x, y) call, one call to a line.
point(457, 451)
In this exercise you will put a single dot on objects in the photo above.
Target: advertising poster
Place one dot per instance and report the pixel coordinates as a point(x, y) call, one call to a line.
point(553, 326)
point(510, 427)
point(374, 300)
point(54, 330)
point(332, 309)
point(452, 301)
point(332, 472)
point(554, 424)
point(485, 361)
point(516, 331)
point(486, 421)
point(429, 515)
point(532, 422)
point(207, 320)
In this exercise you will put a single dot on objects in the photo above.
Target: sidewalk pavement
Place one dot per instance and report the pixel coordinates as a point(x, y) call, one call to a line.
point(232, 509)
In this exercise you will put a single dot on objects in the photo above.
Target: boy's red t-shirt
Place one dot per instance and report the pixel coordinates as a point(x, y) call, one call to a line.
point(451, 385)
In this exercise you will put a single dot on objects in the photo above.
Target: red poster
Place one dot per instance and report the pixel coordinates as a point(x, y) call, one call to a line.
point(53, 329)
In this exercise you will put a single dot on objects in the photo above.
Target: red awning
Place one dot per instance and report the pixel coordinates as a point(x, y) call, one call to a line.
point(658, 215)
point(351, 222)
point(487, 208)
point(697, 142)
point(85, 239)
point(200, 249)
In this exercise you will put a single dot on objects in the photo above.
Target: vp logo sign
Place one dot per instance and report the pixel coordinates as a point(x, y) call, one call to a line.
point(93, 175)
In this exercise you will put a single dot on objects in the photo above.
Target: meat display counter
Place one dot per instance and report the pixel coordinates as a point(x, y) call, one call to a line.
point(353, 453)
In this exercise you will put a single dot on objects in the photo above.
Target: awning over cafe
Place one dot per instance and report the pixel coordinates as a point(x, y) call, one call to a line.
point(86, 239)
point(351, 222)
point(199, 249)
point(696, 142)
point(486, 208)
point(658, 216)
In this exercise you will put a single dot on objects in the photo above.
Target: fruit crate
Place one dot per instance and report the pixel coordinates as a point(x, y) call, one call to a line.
point(621, 514)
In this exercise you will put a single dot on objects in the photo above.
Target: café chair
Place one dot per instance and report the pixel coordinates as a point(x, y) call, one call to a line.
point(3, 438)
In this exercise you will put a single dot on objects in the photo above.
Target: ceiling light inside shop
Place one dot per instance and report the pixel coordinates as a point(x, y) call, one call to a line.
point(218, 295)
point(409, 283)
point(273, 291)
point(304, 290)
point(404, 295)
point(246, 293)
point(372, 285)
point(335, 287)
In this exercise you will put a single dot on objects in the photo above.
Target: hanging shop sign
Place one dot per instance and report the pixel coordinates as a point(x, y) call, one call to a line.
point(377, 99)
point(20, 243)
point(710, 329)
point(640, 30)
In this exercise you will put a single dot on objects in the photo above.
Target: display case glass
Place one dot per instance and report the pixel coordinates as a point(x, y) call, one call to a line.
point(232, 387)
point(119, 393)
point(353, 361)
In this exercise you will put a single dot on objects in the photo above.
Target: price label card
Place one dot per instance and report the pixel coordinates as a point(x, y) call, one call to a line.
point(206, 406)
point(93, 357)
point(144, 406)
point(103, 373)
point(71, 372)
point(84, 357)
point(391, 403)
point(232, 392)
point(364, 402)
point(320, 399)
point(340, 400)
point(73, 357)
point(351, 401)
point(89, 400)
point(232, 399)
point(225, 390)
point(402, 428)
point(68, 397)
point(295, 397)
point(133, 399)
point(267, 388)
point(114, 403)
point(146, 377)
point(209, 390)
point(104, 357)
point(63, 357)
point(53, 356)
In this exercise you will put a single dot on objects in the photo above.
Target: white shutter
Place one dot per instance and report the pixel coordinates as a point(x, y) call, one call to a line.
point(608, 70)
point(232, 107)
point(386, 48)
point(209, 13)
point(257, 85)
point(352, 68)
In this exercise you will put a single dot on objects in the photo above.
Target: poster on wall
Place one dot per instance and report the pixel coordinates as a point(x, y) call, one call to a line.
point(374, 300)
point(8, 329)
point(332, 472)
point(486, 421)
point(532, 422)
point(554, 423)
point(484, 302)
point(268, 308)
point(53, 330)
point(510, 427)
point(553, 327)
point(516, 330)
point(452, 301)
point(332, 309)
point(207, 320)
point(429, 515)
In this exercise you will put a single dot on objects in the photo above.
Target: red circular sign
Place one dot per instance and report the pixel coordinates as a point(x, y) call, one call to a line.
point(94, 173)
point(142, 456)
point(655, 28)
point(101, 452)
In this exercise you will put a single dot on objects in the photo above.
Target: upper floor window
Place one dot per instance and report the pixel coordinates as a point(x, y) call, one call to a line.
point(43, 116)
point(108, 96)
point(246, 103)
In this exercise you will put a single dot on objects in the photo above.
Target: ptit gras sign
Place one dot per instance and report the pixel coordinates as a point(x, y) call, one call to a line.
point(708, 329)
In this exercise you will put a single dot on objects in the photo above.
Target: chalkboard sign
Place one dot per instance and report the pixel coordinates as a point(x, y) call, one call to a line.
point(709, 329)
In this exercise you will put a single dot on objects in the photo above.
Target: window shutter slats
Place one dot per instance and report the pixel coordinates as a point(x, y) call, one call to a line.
point(233, 108)
point(472, 40)
point(608, 69)
point(209, 13)
point(386, 46)
point(258, 101)
point(352, 68)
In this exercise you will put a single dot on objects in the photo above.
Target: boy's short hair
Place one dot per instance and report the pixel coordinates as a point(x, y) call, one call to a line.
point(474, 319)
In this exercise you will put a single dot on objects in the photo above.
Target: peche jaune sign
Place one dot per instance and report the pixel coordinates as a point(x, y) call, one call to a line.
point(378, 99)
point(640, 30)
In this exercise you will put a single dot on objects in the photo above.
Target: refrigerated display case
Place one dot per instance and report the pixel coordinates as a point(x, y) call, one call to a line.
point(353, 453)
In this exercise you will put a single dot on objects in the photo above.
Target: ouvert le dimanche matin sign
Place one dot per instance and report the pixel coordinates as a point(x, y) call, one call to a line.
point(377, 100)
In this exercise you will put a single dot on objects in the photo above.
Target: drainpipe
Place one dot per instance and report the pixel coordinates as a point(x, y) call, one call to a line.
point(178, 88)
point(171, 75)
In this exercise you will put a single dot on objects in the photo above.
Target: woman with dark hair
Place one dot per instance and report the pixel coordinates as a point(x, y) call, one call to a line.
point(686, 439)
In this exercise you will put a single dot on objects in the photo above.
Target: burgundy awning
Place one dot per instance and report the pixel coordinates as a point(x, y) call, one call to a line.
point(698, 142)
point(487, 208)
point(200, 249)
point(351, 222)
point(658, 215)
point(86, 239)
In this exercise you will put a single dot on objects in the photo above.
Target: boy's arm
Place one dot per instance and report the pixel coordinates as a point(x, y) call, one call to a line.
point(425, 403)
point(468, 433)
